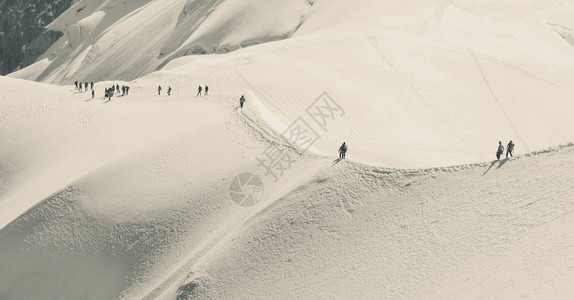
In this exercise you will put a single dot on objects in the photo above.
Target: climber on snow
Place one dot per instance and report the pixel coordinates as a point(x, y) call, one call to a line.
point(510, 149)
point(500, 150)
point(342, 150)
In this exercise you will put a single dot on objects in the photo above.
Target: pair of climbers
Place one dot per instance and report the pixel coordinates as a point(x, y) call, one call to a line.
point(509, 149)
point(168, 90)
point(125, 90)
point(200, 89)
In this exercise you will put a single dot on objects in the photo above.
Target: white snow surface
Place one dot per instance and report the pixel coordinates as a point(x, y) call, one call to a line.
point(130, 198)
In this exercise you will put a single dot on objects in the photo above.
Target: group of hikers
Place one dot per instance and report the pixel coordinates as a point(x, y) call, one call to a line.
point(79, 85)
point(109, 92)
point(500, 150)
point(200, 90)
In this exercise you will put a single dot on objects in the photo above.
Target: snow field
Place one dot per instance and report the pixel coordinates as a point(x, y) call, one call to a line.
point(130, 198)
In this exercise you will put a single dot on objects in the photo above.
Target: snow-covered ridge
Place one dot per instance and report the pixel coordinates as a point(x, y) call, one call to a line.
point(399, 233)
point(405, 235)
point(140, 208)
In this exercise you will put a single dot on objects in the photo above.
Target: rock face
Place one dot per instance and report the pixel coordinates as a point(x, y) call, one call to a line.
point(23, 37)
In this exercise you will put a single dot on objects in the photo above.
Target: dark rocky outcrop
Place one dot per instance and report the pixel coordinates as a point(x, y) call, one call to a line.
point(23, 36)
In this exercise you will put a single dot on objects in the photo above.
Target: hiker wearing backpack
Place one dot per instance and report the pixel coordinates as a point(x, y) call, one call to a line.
point(342, 151)
point(510, 149)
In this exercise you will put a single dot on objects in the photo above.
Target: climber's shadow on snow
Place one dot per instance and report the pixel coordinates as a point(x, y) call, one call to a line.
point(500, 164)
point(336, 161)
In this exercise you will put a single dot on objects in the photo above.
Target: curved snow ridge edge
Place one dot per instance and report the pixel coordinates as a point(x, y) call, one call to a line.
point(456, 168)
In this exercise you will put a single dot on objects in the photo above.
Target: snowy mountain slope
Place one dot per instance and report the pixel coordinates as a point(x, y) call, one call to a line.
point(479, 231)
point(47, 135)
point(135, 37)
point(138, 36)
point(420, 85)
point(405, 107)
point(130, 199)
point(142, 190)
point(134, 198)
point(155, 220)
